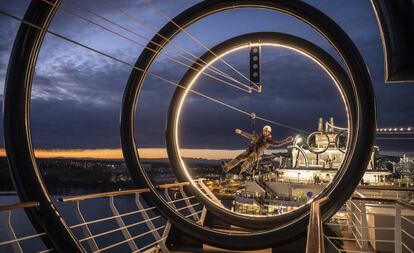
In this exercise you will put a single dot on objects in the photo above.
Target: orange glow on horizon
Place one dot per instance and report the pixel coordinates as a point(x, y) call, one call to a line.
point(213, 154)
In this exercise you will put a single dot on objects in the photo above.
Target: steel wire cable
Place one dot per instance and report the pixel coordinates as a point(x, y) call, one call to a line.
point(22, 239)
point(281, 125)
point(120, 228)
point(130, 239)
point(144, 46)
point(172, 42)
point(213, 69)
point(169, 19)
point(124, 214)
point(148, 72)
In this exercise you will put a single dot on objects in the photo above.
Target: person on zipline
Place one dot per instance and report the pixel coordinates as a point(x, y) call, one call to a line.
point(259, 143)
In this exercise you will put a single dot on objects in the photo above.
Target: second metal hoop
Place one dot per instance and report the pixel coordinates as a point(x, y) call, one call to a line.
point(359, 150)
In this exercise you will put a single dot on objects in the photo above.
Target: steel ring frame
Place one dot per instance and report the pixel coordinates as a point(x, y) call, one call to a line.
point(302, 46)
point(362, 123)
point(311, 149)
point(17, 138)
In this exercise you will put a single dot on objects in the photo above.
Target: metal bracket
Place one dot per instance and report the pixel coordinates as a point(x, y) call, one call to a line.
point(255, 60)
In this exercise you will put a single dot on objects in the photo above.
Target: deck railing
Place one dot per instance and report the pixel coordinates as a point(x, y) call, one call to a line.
point(373, 225)
point(124, 231)
point(315, 239)
point(15, 242)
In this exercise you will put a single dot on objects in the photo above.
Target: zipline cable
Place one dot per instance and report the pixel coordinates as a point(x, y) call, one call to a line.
point(172, 42)
point(194, 38)
point(79, 6)
point(143, 45)
point(146, 72)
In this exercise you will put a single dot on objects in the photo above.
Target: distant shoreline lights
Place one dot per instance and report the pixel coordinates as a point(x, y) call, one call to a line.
point(145, 153)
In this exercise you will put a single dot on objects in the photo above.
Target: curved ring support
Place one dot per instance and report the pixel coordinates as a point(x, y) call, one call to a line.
point(18, 144)
point(271, 39)
point(362, 122)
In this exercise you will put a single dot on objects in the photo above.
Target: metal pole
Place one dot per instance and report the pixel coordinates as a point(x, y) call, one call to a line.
point(397, 229)
point(85, 228)
point(364, 225)
point(121, 224)
point(151, 225)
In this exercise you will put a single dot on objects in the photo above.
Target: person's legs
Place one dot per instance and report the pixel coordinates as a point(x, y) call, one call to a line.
point(233, 163)
point(250, 159)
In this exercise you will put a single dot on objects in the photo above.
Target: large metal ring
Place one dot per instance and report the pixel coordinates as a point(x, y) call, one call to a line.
point(361, 104)
point(26, 176)
point(306, 48)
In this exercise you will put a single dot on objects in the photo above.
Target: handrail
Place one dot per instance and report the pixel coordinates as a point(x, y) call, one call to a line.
point(120, 193)
point(374, 199)
point(360, 226)
point(171, 185)
point(385, 188)
point(315, 239)
point(103, 195)
point(14, 241)
point(395, 201)
point(18, 206)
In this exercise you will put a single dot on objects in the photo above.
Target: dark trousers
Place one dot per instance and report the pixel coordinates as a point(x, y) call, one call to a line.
point(247, 157)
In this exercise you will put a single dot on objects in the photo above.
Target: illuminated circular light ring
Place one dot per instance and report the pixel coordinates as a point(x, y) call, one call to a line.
point(317, 55)
point(191, 83)
point(16, 113)
point(362, 122)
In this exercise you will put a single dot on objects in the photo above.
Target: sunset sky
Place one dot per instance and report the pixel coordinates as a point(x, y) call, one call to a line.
point(77, 94)
point(148, 153)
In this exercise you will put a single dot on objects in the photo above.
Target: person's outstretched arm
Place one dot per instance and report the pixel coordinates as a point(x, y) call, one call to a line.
point(282, 142)
point(249, 136)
